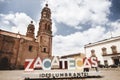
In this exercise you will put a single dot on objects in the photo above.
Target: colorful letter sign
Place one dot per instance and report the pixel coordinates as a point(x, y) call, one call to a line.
point(56, 63)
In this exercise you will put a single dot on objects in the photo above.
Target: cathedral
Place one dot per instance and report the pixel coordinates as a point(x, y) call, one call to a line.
point(15, 47)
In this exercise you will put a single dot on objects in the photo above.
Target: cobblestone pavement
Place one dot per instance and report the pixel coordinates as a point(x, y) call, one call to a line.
point(107, 74)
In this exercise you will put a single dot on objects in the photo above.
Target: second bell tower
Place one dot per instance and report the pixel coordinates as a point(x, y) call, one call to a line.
point(44, 35)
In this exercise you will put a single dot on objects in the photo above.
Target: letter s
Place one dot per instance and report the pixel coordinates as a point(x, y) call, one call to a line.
point(94, 62)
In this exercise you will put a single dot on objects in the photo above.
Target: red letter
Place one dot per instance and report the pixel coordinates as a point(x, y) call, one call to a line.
point(29, 65)
point(87, 63)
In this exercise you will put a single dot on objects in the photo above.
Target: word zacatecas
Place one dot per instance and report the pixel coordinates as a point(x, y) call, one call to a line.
point(56, 63)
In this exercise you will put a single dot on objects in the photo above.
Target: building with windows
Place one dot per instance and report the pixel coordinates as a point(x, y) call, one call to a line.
point(107, 51)
point(15, 47)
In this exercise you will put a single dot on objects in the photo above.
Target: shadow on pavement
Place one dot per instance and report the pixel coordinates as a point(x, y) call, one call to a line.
point(65, 78)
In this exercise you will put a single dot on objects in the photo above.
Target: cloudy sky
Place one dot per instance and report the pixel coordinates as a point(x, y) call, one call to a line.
point(75, 22)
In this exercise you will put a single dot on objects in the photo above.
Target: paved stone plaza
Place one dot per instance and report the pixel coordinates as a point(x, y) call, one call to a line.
point(107, 74)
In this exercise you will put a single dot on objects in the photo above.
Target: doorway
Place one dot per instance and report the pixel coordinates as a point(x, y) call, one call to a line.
point(4, 63)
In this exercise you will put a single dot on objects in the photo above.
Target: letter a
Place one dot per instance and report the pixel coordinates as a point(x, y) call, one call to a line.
point(55, 62)
point(87, 63)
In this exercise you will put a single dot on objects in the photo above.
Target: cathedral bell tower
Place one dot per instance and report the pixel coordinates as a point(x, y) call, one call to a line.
point(30, 30)
point(44, 35)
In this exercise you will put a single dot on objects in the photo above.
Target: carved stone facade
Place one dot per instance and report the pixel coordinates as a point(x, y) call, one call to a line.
point(15, 48)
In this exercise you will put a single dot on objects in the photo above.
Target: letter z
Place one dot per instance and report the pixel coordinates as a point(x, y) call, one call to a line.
point(29, 65)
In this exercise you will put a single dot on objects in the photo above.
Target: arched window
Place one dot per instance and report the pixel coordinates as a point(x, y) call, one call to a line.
point(104, 51)
point(114, 49)
point(44, 49)
point(46, 26)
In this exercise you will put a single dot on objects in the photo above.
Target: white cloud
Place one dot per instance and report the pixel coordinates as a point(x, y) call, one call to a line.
point(54, 28)
point(16, 22)
point(75, 42)
point(115, 28)
point(74, 12)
